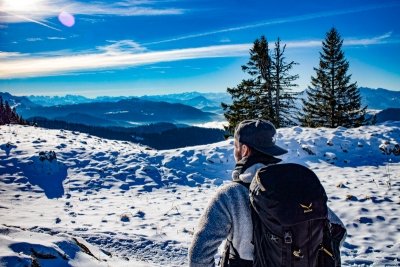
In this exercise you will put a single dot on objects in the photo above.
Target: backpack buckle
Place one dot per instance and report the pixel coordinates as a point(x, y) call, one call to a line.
point(288, 238)
point(298, 254)
point(273, 238)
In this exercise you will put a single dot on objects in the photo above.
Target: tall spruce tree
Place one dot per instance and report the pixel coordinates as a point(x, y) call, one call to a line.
point(265, 94)
point(282, 83)
point(332, 100)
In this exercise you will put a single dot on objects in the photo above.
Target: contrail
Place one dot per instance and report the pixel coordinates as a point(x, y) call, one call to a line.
point(277, 21)
point(31, 20)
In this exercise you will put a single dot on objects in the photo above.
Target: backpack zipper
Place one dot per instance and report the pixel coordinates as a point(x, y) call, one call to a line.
point(327, 252)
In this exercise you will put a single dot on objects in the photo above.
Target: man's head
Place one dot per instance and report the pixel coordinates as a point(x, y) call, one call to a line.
point(257, 134)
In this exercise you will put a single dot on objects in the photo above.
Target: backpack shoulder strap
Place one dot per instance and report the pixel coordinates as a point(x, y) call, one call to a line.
point(233, 260)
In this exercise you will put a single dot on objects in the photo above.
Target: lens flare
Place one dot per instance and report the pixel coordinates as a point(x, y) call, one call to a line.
point(66, 19)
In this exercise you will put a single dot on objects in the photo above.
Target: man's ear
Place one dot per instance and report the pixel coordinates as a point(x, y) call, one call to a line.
point(246, 151)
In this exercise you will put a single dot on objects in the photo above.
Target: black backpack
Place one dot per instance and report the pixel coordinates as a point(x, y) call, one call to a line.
point(290, 220)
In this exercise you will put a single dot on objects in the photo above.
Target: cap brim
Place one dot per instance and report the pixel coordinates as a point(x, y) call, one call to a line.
point(272, 150)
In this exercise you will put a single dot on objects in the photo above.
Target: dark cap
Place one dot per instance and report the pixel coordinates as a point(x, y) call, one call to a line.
point(260, 135)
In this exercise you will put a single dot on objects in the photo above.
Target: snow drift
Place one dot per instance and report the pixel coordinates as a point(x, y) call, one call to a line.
point(128, 205)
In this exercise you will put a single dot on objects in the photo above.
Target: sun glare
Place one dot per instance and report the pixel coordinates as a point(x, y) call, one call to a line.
point(20, 6)
point(66, 19)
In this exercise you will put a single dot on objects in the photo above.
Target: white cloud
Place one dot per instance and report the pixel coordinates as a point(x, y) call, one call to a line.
point(37, 11)
point(117, 8)
point(109, 58)
point(11, 55)
point(368, 41)
point(382, 39)
point(127, 53)
point(123, 46)
point(56, 38)
point(158, 67)
point(34, 39)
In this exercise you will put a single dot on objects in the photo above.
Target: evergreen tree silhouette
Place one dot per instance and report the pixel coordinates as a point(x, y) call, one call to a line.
point(332, 100)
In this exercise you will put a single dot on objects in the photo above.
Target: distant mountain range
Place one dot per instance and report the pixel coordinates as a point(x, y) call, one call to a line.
point(210, 102)
point(20, 102)
point(190, 107)
point(374, 98)
point(120, 112)
point(380, 98)
point(71, 99)
point(205, 101)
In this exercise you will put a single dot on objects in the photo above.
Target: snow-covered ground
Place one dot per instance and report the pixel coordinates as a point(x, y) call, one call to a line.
point(98, 202)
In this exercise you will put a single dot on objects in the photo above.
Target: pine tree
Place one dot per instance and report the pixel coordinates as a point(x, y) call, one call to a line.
point(7, 112)
point(252, 98)
point(242, 104)
point(2, 116)
point(283, 82)
point(259, 68)
point(9, 115)
point(264, 95)
point(332, 100)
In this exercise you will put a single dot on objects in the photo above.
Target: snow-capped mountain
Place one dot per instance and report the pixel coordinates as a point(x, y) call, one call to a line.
point(380, 98)
point(125, 112)
point(73, 199)
point(204, 101)
point(59, 100)
point(17, 101)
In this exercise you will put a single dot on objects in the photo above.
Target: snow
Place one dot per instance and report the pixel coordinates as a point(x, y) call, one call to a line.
point(129, 205)
point(214, 124)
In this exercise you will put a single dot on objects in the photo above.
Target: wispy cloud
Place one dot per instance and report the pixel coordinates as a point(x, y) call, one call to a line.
point(225, 40)
point(127, 53)
point(158, 67)
point(11, 55)
point(121, 47)
point(369, 41)
point(37, 11)
point(108, 59)
point(381, 39)
point(34, 39)
point(279, 21)
point(56, 38)
point(122, 8)
point(7, 17)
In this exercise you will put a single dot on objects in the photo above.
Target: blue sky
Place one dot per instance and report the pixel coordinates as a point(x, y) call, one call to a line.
point(138, 47)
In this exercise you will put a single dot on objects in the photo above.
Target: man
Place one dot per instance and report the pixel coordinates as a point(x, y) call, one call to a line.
point(228, 215)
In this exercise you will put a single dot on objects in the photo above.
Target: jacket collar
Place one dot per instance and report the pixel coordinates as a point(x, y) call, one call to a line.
point(248, 174)
point(247, 167)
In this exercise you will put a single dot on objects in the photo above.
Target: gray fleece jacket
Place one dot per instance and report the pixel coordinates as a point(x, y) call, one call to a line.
point(227, 216)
